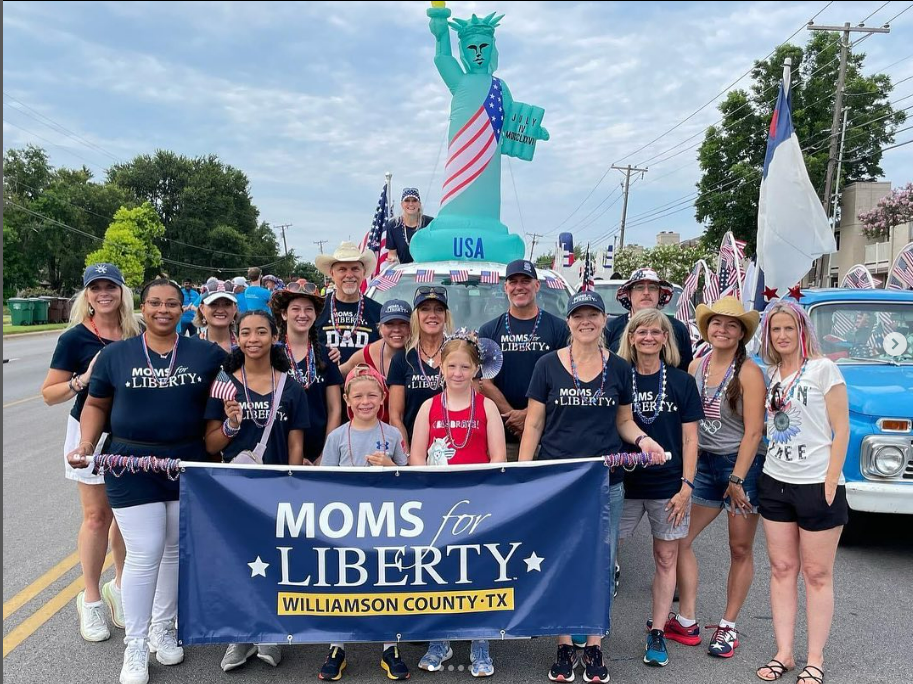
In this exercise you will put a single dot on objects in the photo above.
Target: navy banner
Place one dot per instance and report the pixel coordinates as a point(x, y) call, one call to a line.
point(379, 554)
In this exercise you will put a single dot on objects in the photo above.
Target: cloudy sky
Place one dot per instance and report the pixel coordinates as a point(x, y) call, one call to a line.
point(314, 101)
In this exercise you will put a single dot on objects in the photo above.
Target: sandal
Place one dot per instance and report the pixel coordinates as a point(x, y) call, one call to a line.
point(806, 676)
point(776, 668)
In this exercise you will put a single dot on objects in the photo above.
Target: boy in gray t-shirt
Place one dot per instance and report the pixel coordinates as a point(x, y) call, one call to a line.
point(364, 441)
point(348, 445)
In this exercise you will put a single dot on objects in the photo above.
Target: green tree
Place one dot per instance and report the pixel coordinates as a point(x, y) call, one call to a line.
point(308, 271)
point(732, 154)
point(670, 261)
point(128, 243)
point(206, 209)
point(52, 217)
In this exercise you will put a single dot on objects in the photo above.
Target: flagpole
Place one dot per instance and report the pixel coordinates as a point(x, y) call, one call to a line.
point(389, 178)
point(787, 73)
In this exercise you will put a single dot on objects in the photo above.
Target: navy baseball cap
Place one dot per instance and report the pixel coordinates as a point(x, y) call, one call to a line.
point(435, 293)
point(411, 192)
point(395, 310)
point(585, 298)
point(521, 267)
point(102, 272)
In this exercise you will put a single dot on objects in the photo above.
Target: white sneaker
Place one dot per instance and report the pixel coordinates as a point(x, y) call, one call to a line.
point(163, 641)
point(270, 654)
point(92, 623)
point(136, 663)
point(111, 595)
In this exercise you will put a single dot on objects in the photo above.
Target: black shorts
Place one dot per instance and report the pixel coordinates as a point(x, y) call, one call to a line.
point(803, 504)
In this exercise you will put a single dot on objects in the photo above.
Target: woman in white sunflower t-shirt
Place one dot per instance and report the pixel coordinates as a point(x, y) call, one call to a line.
point(802, 498)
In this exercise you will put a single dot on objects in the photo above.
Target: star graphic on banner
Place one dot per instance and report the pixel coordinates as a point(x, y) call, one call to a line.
point(795, 292)
point(534, 562)
point(258, 567)
point(770, 293)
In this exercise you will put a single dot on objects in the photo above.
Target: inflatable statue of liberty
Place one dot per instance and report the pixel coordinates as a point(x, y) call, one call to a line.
point(485, 122)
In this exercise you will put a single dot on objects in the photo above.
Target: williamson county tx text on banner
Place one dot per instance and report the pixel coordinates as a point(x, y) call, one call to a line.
point(332, 554)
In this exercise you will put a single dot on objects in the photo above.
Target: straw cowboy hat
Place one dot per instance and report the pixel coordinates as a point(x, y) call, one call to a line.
point(726, 306)
point(347, 251)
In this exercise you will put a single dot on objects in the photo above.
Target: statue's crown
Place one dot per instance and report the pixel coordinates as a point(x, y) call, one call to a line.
point(475, 25)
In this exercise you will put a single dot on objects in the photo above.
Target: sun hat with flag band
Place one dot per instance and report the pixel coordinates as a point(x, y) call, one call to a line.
point(644, 275)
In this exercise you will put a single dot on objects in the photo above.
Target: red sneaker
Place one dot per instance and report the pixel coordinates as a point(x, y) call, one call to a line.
point(674, 630)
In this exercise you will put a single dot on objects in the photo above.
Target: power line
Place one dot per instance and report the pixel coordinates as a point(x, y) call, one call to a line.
point(50, 142)
point(163, 238)
point(60, 127)
point(217, 269)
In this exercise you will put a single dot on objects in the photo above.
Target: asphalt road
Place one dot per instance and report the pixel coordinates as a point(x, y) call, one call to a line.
point(41, 516)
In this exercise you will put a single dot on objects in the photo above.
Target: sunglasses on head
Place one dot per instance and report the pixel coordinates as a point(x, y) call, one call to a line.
point(432, 289)
point(776, 397)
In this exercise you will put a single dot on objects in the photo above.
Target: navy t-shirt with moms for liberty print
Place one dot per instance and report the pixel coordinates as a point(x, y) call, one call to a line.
point(155, 413)
point(579, 424)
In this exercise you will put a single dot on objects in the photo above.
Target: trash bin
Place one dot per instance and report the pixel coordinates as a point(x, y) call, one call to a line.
point(67, 305)
point(20, 311)
point(55, 309)
point(39, 310)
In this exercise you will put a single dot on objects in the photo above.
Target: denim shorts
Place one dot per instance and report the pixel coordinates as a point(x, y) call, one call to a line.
point(712, 480)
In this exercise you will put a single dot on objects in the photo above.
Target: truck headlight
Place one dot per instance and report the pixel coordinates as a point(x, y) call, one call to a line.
point(888, 461)
point(885, 457)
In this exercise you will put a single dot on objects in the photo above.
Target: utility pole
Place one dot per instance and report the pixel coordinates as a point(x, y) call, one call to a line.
point(532, 248)
point(320, 244)
point(282, 227)
point(627, 170)
point(839, 166)
point(846, 29)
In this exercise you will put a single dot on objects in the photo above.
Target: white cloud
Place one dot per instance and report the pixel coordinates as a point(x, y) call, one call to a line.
point(314, 101)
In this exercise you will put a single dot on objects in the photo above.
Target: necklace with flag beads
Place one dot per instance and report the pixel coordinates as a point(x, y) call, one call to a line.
point(346, 334)
point(532, 335)
point(605, 366)
point(307, 377)
point(647, 420)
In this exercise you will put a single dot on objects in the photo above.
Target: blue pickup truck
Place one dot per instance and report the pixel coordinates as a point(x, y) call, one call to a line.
point(869, 334)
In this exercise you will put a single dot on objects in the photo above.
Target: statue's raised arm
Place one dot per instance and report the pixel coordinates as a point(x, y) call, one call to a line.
point(485, 122)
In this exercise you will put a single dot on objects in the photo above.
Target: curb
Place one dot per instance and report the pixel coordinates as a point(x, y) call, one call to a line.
point(32, 334)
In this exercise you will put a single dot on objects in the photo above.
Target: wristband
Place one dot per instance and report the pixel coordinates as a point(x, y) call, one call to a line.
point(228, 430)
point(639, 439)
point(688, 482)
point(736, 480)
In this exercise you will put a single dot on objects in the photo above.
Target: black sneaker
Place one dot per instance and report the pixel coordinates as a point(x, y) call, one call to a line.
point(334, 665)
point(563, 669)
point(393, 664)
point(594, 669)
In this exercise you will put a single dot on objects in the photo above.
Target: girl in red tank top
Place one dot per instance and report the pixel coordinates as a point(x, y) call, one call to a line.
point(458, 426)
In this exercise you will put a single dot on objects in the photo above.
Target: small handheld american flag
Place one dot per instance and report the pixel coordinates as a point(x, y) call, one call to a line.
point(223, 388)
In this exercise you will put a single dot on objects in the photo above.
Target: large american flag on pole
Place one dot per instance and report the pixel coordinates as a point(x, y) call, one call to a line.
point(376, 237)
point(587, 281)
point(474, 145)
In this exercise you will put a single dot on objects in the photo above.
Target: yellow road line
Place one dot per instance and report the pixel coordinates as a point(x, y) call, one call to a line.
point(46, 612)
point(40, 584)
point(22, 401)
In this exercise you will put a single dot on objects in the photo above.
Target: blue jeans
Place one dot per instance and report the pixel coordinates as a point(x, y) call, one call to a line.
point(712, 480)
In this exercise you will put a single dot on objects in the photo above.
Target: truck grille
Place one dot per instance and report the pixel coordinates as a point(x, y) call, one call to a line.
point(908, 471)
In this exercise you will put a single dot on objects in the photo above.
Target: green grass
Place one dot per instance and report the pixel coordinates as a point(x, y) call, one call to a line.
point(18, 329)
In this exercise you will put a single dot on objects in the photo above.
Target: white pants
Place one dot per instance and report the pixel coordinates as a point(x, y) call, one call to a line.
point(150, 580)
